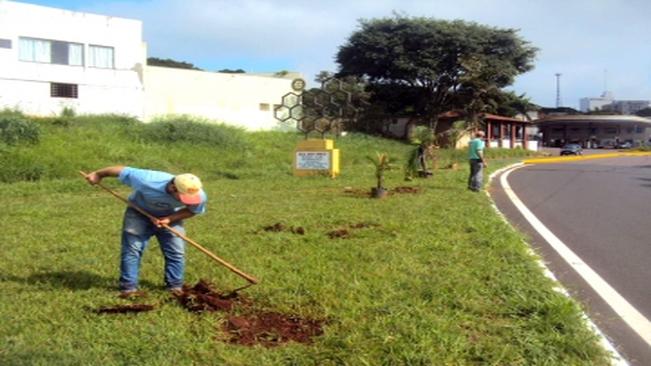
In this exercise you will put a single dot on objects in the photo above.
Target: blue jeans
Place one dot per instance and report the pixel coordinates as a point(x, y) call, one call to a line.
point(476, 178)
point(136, 231)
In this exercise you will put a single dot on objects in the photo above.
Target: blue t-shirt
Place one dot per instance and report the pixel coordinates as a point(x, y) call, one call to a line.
point(149, 192)
point(476, 145)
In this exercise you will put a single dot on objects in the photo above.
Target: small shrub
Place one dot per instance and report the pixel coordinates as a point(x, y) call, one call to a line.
point(173, 129)
point(68, 112)
point(16, 128)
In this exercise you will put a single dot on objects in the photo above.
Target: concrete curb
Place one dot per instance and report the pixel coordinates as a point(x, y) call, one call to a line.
point(567, 159)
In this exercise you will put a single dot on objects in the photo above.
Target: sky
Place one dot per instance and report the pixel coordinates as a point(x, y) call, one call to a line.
point(596, 45)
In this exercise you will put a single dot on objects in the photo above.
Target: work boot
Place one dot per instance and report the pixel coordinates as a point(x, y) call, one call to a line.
point(176, 291)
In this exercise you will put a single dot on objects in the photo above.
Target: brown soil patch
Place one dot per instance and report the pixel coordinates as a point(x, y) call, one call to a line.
point(356, 192)
point(362, 225)
point(271, 329)
point(406, 190)
point(278, 227)
point(397, 190)
point(340, 233)
point(345, 233)
point(122, 309)
point(251, 327)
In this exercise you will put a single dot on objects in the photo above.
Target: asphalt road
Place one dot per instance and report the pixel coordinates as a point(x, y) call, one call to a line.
point(601, 209)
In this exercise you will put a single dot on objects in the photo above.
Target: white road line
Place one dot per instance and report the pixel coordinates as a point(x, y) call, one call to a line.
point(623, 308)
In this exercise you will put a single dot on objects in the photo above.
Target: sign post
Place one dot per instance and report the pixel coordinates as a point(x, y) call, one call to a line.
point(316, 157)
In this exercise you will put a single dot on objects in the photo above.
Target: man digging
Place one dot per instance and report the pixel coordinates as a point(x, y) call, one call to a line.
point(169, 199)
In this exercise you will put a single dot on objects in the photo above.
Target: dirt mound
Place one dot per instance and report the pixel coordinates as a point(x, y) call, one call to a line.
point(278, 227)
point(122, 309)
point(203, 297)
point(252, 326)
point(271, 329)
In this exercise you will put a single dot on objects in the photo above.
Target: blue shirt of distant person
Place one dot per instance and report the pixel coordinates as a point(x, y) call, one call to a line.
point(170, 199)
point(477, 162)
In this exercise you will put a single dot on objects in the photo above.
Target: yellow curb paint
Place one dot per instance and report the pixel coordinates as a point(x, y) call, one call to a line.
point(568, 159)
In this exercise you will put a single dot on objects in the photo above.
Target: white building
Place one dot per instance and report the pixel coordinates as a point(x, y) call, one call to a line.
point(53, 58)
point(598, 103)
point(244, 100)
point(607, 103)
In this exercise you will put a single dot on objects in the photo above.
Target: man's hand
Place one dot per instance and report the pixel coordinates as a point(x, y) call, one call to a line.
point(485, 163)
point(163, 221)
point(93, 178)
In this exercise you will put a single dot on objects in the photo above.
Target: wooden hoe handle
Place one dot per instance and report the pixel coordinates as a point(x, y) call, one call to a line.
point(205, 251)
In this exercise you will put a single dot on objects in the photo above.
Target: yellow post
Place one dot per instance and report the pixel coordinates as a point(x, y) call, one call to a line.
point(316, 157)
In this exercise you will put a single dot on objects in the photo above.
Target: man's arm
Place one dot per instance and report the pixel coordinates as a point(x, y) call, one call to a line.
point(481, 156)
point(97, 176)
point(177, 216)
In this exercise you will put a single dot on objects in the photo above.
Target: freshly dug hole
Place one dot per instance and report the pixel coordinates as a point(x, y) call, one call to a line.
point(271, 329)
point(252, 327)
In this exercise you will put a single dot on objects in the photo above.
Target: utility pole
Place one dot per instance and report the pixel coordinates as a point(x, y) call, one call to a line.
point(558, 89)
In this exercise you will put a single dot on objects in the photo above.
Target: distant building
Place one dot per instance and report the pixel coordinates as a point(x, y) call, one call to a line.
point(629, 106)
point(592, 131)
point(596, 103)
point(607, 103)
point(53, 59)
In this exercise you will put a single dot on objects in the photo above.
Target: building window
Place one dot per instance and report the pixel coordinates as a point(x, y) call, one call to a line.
point(264, 107)
point(639, 129)
point(5, 43)
point(100, 56)
point(51, 52)
point(61, 90)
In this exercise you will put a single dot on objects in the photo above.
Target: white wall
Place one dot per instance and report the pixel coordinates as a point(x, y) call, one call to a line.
point(131, 87)
point(26, 85)
point(229, 98)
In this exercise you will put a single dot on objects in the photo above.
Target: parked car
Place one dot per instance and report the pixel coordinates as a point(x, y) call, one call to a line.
point(607, 144)
point(625, 145)
point(572, 149)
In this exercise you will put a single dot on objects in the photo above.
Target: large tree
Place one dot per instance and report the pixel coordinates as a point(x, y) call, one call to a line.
point(420, 63)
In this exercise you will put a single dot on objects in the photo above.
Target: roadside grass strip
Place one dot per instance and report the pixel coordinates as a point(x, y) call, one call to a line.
point(569, 159)
point(430, 275)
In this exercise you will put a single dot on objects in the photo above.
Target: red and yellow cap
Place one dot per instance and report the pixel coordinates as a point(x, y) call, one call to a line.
point(189, 188)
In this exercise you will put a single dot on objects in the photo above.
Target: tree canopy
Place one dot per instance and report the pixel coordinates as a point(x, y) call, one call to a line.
point(646, 112)
point(154, 61)
point(416, 65)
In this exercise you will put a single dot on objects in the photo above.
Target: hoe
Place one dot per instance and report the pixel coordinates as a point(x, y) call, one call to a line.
point(252, 280)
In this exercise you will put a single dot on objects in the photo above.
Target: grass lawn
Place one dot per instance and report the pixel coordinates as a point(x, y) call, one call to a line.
point(437, 277)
